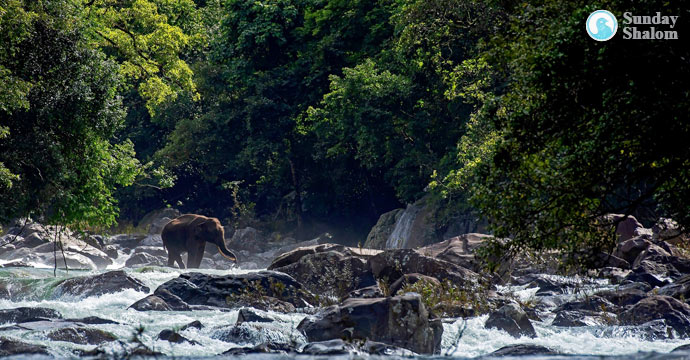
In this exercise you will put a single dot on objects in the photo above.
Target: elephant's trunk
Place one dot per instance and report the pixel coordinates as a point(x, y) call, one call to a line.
point(225, 252)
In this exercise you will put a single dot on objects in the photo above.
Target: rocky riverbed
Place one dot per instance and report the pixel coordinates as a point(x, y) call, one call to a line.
point(320, 299)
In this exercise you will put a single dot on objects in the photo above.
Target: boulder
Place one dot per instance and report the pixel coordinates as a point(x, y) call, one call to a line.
point(145, 259)
point(576, 318)
point(274, 335)
point(151, 222)
point(679, 289)
point(81, 335)
point(627, 227)
point(196, 324)
point(378, 236)
point(248, 239)
point(594, 303)
point(401, 321)
point(174, 337)
point(390, 265)
point(523, 350)
point(332, 270)
point(625, 295)
point(630, 249)
point(251, 315)
point(10, 346)
point(653, 273)
point(367, 292)
point(161, 300)
point(234, 290)
point(24, 314)
point(341, 347)
point(95, 285)
point(675, 313)
point(511, 319)
point(668, 230)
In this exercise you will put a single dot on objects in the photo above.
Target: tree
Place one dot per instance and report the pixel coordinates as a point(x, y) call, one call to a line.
point(58, 119)
point(567, 129)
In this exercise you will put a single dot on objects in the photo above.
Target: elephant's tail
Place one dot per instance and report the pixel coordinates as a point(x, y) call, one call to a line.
point(225, 252)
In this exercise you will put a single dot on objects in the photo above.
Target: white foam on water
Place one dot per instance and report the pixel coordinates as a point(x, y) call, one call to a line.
point(475, 340)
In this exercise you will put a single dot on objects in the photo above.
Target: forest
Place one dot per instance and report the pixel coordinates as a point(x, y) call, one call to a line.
point(309, 113)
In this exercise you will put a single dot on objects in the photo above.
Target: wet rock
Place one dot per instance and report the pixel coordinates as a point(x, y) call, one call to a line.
point(653, 273)
point(157, 251)
point(111, 251)
point(401, 321)
point(274, 335)
point(10, 346)
point(248, 239)
point(152, 221)
point(264, 348)
point(196, 324)
point(47, 258)
point(615, 275)
point(668, 230)
point(625, 295)
point(154, 241)
point(523, 350)
point(174, 337)
point(24, 314)
point(548, 286)
point(411, 279)
point(630, 249)
point(332, 272)
point(576, 318)
point(145, 259)
point(682, 348)
point(126, 241)
point(106, 283)
point(341, 347)
point(650, 331)
point(593, 303)
point(511, 319)
point(161, 300)
point(249, 315)
point(679, 289)
point(675, 313)
point(32, 240)
point(626, 226)
point(458, 250)
point(378, 236)
point(92, 320)
point(229, 291)
point(81, 335)
point(390, 265)
point(16, 263)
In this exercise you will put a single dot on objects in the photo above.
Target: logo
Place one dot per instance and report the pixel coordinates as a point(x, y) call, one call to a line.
point(601, 25)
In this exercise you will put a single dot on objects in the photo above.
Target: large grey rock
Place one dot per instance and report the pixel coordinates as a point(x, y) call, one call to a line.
point(248, 239)
point(511, 319)
point(390, 265)
point(81, 335)
point(401, 321)
point(668, 230)
point(10, 346)
point(675, 313)
point(23, 314)
point(152, 221)
point(145, 259)
point(96, 285)
point(260, 290)
point(523, 350)
point(381, 231)
point(328, 269)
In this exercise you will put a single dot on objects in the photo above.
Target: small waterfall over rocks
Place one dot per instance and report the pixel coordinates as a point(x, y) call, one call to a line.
point(403, 228)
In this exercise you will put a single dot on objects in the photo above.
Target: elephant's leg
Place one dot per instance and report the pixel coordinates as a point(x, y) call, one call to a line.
point(178, 259)
point(195, 256)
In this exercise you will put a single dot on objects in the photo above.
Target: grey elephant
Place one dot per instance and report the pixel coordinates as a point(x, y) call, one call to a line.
point(189, 233)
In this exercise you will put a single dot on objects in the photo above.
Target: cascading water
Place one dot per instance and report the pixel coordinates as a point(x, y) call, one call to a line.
point(403, 227)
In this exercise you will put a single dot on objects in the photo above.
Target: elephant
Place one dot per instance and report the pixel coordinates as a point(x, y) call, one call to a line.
point(189, 233)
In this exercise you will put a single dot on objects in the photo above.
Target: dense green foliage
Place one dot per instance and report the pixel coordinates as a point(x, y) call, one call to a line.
point(303, 112)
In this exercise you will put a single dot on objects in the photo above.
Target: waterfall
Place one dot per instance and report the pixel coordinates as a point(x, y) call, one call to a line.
point(403, 226)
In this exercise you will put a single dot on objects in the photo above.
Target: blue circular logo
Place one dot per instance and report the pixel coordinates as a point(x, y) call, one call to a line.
point(601, 25)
